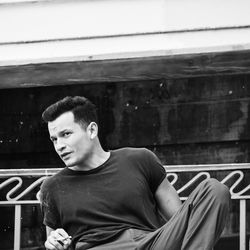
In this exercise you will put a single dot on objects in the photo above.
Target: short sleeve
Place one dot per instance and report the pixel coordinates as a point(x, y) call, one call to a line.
point(48, 206)
point(156, 173)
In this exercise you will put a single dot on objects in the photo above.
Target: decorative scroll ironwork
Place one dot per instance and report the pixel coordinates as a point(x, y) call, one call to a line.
point(235, 195)
point(235, 177)
point(19, 181)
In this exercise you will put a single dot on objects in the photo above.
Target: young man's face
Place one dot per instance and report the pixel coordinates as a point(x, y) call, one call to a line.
point(71, 141)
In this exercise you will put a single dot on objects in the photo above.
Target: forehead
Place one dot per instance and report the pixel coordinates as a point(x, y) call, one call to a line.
point(64, 121)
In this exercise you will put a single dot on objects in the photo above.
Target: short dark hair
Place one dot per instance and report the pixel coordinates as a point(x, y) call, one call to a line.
point(84, 110)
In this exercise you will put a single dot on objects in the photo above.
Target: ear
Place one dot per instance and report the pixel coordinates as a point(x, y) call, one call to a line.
point(92, 130)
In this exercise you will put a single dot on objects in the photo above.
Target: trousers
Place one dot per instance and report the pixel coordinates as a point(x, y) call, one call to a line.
point(196, 226)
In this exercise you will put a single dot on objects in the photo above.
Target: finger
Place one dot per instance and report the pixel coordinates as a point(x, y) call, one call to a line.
point(64, 237)
point(59, 238)
point(58, 244)
point(62, 232)
point(53, 243)
point(66, 243)
point(56, 235)
point(61, 242)
point(50, 246)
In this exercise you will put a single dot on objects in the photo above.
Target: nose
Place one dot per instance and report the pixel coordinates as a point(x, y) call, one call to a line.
point(59, 146)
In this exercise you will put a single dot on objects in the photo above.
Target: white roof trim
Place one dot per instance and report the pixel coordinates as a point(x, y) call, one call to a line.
point(129, 46)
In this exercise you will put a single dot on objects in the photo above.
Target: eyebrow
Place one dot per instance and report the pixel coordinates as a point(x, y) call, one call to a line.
point(64, 130)
point(60, 132)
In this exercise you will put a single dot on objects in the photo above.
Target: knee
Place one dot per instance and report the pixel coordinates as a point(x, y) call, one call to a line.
point(218, 191)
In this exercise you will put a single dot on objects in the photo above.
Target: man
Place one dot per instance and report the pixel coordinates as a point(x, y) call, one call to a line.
point(120, 199)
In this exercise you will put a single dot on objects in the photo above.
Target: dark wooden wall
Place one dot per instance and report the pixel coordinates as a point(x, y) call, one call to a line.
point(185, 121)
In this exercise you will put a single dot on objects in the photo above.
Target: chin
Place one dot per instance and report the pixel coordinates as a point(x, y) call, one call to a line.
point(69, 163)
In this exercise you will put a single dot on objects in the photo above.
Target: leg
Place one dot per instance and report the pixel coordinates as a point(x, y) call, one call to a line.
point(208, 216)
point(123, 242)
point(198, 224)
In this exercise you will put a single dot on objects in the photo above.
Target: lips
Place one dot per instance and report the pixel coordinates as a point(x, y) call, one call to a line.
point(65, 155)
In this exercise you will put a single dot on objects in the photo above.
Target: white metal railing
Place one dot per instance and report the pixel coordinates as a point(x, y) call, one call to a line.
point(233, 177)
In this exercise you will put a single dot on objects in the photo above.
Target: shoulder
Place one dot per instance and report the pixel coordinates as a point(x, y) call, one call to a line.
point(47, 184)
point(133, 152)
point(51, 181)
point(136, 154)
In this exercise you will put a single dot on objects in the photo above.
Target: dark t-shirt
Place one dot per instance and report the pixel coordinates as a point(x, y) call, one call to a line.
point(96, 205)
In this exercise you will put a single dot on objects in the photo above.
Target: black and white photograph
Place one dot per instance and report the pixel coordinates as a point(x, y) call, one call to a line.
point(125, 125)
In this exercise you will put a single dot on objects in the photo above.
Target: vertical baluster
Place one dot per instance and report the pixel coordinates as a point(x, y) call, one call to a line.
point(242, 224)
point(17, 228)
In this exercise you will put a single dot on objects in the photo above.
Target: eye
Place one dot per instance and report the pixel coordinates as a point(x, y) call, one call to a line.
point(53, 139)
point(66, 134)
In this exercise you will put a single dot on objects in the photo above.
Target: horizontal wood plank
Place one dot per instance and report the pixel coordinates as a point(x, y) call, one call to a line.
point(85, 72)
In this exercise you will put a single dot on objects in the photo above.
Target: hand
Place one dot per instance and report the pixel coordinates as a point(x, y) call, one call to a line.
point(58, 240)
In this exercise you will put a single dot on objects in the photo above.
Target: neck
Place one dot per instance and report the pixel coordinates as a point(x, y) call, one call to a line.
point(95, 159)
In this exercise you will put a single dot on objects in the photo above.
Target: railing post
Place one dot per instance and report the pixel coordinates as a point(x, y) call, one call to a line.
point(17, 227)
point(242, 224)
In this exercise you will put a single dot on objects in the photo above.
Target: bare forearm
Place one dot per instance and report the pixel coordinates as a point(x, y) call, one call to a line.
point(170, 206)
point(167, 199)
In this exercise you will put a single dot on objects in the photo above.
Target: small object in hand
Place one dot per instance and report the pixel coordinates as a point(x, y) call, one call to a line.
point(62, 241)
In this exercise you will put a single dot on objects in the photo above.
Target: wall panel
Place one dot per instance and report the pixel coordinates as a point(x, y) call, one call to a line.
point(193, 120)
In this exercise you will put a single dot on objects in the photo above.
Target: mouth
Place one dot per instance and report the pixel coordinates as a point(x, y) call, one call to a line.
point(65, 155)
